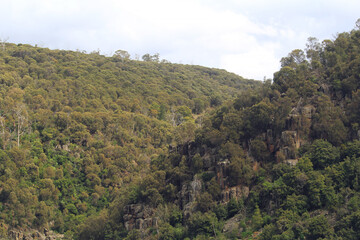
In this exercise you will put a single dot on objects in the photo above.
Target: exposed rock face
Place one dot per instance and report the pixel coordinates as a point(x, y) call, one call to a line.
point(139, 216)
point(291, 162)
point(63, 147)
point(228, 193)
point(236, 192)
point(290, 139)
point(221, 174)
point(233, 224)
point(298, 122)
point(289, 142)
point(15, 235)
point(298, 114)
point(325, 88)
point(308, 111)
point(31, 234)
point(188, 195)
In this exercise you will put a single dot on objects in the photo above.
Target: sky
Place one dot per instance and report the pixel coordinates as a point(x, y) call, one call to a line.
point(244, 37)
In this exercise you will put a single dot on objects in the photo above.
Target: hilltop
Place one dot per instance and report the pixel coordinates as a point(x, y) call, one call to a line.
point(77, 128)
point(278, 162)
point(97, 147)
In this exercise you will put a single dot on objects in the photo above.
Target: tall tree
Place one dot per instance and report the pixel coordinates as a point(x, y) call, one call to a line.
point(21, 121)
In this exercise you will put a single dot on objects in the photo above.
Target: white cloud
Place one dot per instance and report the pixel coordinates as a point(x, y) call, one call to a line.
point(257, 63)
point(195, 33)
point(245, 37)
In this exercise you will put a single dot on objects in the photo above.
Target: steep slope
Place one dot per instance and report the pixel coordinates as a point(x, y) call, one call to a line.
point(279, 162)
point(77, 128)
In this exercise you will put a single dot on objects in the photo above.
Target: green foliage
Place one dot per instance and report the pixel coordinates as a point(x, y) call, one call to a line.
point(93, 227)
point(75, 128)
point(214, 189)
point(285, 79)
point(185, 132)
point(220, 211)
point(168, 232)
point(319, 228)
point(258, 118)
point(328, 122)
point(82, 136)
point(259, 150)
point(203, 223)
point(176, 216)
point(351, 149)
point(233, 207)
point(315, 97)
point(240, 171)
point(323, 154)
point(196, 163)
point(257, 220)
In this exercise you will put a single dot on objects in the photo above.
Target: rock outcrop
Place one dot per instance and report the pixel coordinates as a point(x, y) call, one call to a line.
point(188, 195)
point(308, 111)
point(139, 216)
point(236, 192)
point(289, 142)
point(298, 126)
point(221, 172)
point(233, 224)
point(31, 234)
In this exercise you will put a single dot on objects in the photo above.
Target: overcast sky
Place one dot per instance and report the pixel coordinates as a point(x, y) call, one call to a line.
point(245, 37)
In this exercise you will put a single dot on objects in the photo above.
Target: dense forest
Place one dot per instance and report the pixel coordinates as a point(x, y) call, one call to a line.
point(97, 147)
point(76, 129)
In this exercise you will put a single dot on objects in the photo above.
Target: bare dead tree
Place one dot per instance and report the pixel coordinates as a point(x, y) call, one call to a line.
point(3, 42)
point(171, 116)
point(2, 125)
point(22, 121)
point(5, 132)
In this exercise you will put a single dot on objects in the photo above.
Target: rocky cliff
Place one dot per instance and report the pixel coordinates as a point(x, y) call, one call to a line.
point(139, 216)
point(32, 234)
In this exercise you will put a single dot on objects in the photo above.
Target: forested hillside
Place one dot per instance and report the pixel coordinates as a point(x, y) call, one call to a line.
point(77, 128)
point(98, 147)
point(278, 162)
